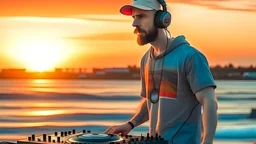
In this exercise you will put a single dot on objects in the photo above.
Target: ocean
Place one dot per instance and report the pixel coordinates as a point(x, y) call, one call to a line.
point(45, 106)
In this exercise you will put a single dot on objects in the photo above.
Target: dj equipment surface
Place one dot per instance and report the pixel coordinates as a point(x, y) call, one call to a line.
point(87, 137)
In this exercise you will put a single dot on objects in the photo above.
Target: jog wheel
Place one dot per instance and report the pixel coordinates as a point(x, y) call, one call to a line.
point(95, 138)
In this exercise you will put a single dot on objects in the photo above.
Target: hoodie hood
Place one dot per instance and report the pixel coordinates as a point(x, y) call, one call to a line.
point(178, 41)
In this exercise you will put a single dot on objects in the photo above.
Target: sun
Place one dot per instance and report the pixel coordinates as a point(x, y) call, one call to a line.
point(40, 54)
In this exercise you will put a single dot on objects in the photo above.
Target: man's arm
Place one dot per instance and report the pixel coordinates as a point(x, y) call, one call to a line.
point(141, 114)
point(202, 84)
point(208, 100)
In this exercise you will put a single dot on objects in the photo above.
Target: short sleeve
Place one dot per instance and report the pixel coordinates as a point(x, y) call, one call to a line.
point(142, 77)
point(198, 73)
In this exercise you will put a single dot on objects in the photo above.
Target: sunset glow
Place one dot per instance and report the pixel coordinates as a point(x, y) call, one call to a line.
point(67, 34)
point(39, 54)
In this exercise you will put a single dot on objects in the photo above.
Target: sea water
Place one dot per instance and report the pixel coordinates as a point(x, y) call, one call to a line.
point(45, 106)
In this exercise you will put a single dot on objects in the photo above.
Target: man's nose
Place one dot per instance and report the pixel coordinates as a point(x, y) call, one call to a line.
point(135, 23)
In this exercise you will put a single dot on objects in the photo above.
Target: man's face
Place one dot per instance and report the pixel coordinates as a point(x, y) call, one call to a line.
point(144, 23)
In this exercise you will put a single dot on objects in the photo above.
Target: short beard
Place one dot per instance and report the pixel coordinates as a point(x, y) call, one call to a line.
point(146, 37)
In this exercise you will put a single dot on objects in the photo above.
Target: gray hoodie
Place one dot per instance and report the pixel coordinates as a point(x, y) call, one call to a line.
point(178, 75)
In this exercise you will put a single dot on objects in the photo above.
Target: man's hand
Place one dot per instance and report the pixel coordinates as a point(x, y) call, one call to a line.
point(124, 129)
point(208, 100)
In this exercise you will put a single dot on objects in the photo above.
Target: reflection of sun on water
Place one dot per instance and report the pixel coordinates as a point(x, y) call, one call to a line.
point(42, 105)
point(46, 112)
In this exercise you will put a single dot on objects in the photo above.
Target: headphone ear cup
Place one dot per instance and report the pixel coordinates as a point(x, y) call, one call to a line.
point(157, 19)
point(162, 19)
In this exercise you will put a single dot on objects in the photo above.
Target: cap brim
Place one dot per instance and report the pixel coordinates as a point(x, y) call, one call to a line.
point(127, 9)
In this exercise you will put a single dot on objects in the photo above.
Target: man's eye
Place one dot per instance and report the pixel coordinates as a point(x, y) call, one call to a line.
point(139, 16)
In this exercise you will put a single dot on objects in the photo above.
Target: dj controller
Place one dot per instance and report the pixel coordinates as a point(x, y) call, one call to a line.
point(88, 137)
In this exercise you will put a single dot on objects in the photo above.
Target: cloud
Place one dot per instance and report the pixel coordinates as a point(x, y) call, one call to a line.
point(103, 17)
point(65, 27)
point(106, 36)
point(230, 5)
point(55, 8)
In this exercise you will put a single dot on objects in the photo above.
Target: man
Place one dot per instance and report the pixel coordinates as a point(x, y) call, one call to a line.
point(176, 83)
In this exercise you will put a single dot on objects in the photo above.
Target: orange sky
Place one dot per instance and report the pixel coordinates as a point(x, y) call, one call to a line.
point(43, 34)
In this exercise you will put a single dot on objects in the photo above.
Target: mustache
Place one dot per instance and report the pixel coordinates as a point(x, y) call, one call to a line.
point(138, 30)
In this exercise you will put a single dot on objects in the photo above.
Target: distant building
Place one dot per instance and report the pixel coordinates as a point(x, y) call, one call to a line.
point(13, 73)
point(13, 70)
point(58, 70)
point(97, 71)
point(234, 74)
point(82, 76)
point(100, 73)
point(249, 74)
point(116, 70)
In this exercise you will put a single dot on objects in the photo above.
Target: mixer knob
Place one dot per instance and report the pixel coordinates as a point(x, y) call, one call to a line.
point(147, 136)
point(56, 133)
point(53, 141)
point(29, 138)
point(65, 133)
point(61, 134)
point(44, 137)
point(74, 131)
point(88, 131)
point(159, 137)
point(84, 131)
point(49, 138)
point(33, 137)
point(156, 137)
point(58, 139)
point(69, 132)
point(132, 139)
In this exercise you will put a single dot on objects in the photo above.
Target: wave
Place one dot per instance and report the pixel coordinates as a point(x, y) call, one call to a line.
point(236, 98)
point(68, 117)
point(66, 96)
point(237, 92)
point(236, 133)
point(236, 95)
point(105, 97)
point(229, 117)
point(82, 117)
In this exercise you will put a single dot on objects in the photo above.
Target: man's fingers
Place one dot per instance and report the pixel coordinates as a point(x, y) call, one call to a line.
point(124, 133)
point(108, 130)
point(112, 130)
point(115, 130)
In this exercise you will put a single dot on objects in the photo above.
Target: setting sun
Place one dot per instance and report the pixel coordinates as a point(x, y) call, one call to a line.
point(39, 54)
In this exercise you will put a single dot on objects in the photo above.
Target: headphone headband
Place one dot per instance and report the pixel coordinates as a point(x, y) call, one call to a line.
point(162, 17)
point(163, 4)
